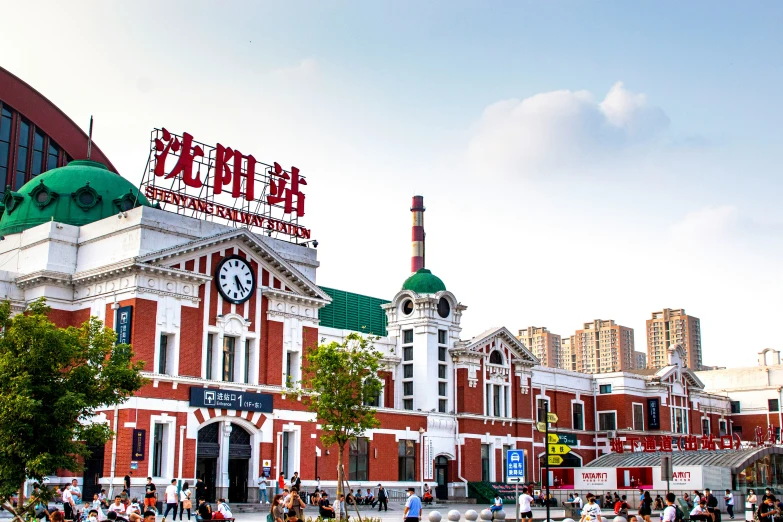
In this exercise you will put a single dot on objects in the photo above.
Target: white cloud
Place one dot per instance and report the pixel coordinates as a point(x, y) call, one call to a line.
point(562, 129)
point(305, 69)
point(708, 223)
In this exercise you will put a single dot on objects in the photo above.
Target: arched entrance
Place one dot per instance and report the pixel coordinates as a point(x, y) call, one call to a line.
point(223, 458)
point(239, 452)
point(441, 478)
point(207, 454)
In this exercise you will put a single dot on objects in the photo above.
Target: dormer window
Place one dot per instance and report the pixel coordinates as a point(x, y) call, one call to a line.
point(495, 357)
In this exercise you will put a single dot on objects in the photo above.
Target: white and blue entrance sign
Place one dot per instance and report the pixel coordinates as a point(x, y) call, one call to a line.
point(515, 466)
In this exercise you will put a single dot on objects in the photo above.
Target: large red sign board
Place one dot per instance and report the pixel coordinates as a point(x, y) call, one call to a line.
point(221, 183)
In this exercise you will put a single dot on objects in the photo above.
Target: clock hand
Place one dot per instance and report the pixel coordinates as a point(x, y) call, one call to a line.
point(239, 285)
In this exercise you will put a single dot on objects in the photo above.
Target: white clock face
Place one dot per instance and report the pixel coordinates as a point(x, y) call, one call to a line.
point(235, 279)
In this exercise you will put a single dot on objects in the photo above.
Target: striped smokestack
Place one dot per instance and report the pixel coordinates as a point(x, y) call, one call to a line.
point(417, 256)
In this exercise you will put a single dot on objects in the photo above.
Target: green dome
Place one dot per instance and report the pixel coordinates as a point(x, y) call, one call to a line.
point(80, 193)
point(424, 282)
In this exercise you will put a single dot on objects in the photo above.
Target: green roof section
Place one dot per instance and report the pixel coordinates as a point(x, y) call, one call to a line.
point(82, 192)
point(424, 282)
point(355, 312)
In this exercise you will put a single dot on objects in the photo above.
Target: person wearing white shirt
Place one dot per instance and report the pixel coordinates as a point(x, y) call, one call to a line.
point(670, 513)
point(172, 499)
point(729, 498)
point(118, 507)
point(578, 504)
point(76, 491)
point(525, 505)
point(699, 512)
point(68, 503)
point(263, 483)
point(222, 507)
point(592, 511)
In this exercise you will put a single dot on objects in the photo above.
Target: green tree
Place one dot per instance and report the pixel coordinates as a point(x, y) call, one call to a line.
point(52, 381)
point(339, 382)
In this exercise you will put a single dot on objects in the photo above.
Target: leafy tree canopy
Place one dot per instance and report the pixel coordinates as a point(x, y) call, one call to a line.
point(340, 380)
point(52, 381)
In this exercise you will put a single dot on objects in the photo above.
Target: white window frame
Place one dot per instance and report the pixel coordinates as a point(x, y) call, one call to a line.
point(549, 406)
point(598, 416)
point(633, 415)
point(169, 441)
point(686, 428)
point(709, 424)
point(172, 353)
point(725, 426)
point(295, 433)
point(584, 416)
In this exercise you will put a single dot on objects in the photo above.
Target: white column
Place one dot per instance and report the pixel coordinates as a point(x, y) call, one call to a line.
point(222, 463)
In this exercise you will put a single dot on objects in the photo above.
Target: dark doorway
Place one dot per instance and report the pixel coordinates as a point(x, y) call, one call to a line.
point(207, 457)
point(442, 478)
point(93, 471)
point(239, 451)
point(237, 480)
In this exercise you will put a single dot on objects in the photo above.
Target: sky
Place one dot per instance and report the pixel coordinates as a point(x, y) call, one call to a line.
point(578, 160)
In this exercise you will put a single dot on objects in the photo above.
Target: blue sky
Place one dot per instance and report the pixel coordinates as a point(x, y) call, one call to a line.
point(578, 160)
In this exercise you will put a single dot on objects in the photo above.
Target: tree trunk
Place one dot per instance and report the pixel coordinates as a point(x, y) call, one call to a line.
point(340, 472)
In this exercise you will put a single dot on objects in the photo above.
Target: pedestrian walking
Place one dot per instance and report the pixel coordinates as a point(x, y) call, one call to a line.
point(412, 511)
point(172, 499)
point(729, 498)
point(185, 500)
point(670, 512)
point(383, 499)
point(150, 495)
point(69, 506)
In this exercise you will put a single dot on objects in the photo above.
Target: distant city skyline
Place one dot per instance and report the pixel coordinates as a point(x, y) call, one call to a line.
point(597, 160)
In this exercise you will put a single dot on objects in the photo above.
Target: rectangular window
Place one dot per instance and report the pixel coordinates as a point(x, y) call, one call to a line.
point(407, 388)
point(705, 427)
point(679, 420)
point(407, 353)
point(442, 405)
point(442, 389)
point(407, 336)
point(773, 404)
point(638, 417)
point(442, 353)
point(406, 461)
point(209, 357)
point(5, 146)
point(247, 362)
point(722, 428)
point(607, 421)
point(506, 449)
point(163, 351)
point(407, 371)
point(21, 154)
point(735, 406)
point(52, 156)
point(496, 401)
point(38, 153)
point(441, 371)
point(442, 336)
point(737, 430)
point(407, 404)
point(485, 462)
point(357, 459)
point(286, 440)
point(157, 450)
point(605, 388)
point(542, 409)
point(578, 415)
point(229, 345)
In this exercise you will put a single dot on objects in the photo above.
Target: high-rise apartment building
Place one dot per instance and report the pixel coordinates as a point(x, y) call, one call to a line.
point(568, 354)
point(544, 344)
point(641, 360)
point(669, 327)
point(603, 346)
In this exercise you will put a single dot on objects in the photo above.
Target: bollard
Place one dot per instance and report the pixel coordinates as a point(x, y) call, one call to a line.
point(500, 515)
point(454, 515)
point(568, 520)
point(619, 519)
point(486, 514)
point(472, 515)
point(434, 516)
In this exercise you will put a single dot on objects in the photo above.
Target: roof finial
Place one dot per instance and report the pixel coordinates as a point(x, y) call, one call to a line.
point(89, 140)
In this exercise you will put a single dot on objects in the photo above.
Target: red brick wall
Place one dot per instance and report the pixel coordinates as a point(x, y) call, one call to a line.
point(66, 318)
point(191, 338)
point(470, 400)
point(274, 355)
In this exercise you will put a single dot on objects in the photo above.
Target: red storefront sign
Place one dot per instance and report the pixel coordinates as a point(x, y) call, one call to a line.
point(208, 182)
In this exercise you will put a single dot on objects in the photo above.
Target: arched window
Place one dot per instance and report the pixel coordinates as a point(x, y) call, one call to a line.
point(495, 357)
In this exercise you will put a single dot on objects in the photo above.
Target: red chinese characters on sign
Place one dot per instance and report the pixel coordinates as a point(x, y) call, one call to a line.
point(232, 168)
point(280, 193)
point(184, 166)
point(666, 443)
point(227, 159)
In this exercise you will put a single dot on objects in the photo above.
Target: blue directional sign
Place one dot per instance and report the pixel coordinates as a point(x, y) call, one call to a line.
point(515, 466)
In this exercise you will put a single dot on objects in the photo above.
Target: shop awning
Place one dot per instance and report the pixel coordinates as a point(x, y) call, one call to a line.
point(737, 460)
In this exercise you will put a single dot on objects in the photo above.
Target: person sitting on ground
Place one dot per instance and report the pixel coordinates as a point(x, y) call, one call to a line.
point(358, 497)
point(117, 507)
point(224, 509)
point(350, 499)
point(324, 509)
point(621, 507)
point(369, 498)
point(339, 507)
point(658, 503)
point(427, 497)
